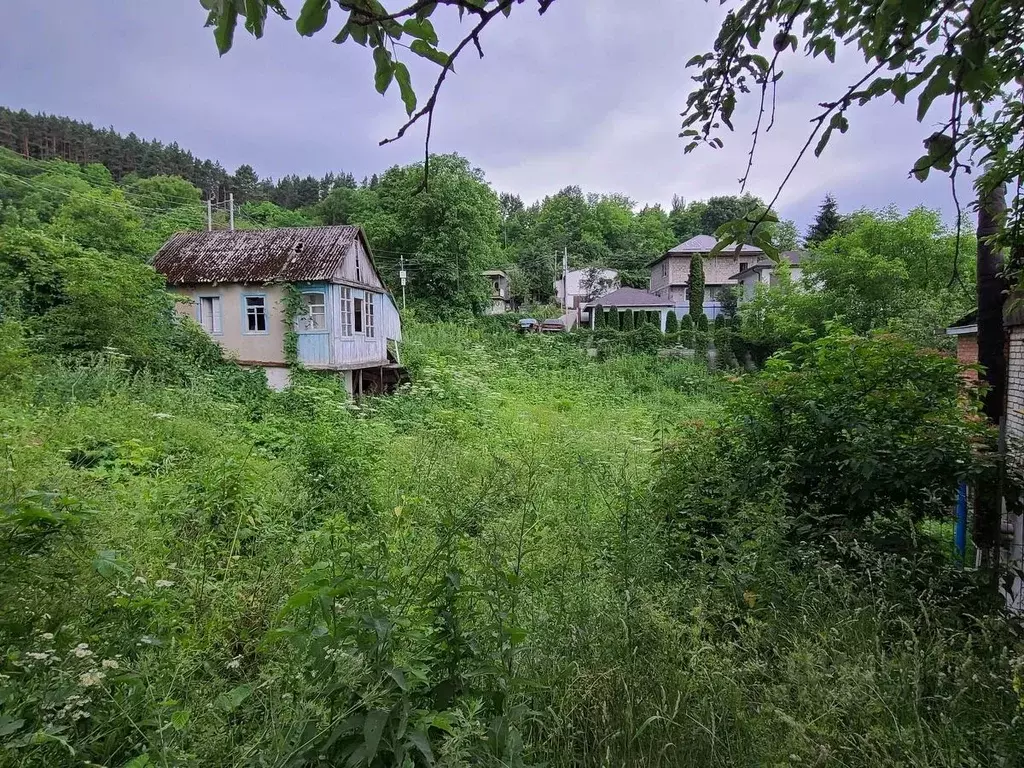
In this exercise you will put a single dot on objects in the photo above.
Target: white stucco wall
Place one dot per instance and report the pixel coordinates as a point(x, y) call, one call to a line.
point(574, 282)
point(234, 337)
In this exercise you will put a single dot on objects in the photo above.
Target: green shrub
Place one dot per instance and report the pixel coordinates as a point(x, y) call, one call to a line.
point(700, 342)
point(719, 321)
point(14, 356)
point(671, 322)
point(686, 337)
point(612, 320)
point(645, 339)
point(627, 321)
point(851, 430)
point(598, 314)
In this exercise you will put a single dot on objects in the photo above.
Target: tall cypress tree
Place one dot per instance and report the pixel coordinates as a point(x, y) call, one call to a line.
point(826, 223)
point(696, 288)
point(627, 320)
point(598, 312)
point(671, 322)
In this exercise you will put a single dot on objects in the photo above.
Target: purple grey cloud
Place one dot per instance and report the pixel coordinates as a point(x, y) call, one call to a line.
point(589, 94)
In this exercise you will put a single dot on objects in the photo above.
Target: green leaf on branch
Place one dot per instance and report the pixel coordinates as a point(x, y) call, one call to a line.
point(405, 87)
point(427, 51)
point(224, 34)
point(922, 167)
point(255, 17)
point(312, 17)
point(823, 141)
point(421, 28)
point(385, 69)
point(939, 85)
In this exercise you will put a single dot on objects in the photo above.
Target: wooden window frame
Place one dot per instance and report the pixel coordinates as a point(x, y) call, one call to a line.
point(218, 316)
point(345, 305)
point(245, 315)
point(301, 319)
point(369, 328)
point(359, 314)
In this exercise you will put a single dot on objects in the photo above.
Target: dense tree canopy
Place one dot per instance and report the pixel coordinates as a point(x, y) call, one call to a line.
point(885, 271)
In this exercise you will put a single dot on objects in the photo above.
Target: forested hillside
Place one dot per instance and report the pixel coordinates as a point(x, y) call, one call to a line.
point(446, 235)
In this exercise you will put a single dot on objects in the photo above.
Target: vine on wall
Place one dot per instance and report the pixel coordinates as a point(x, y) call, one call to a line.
point(292, 306)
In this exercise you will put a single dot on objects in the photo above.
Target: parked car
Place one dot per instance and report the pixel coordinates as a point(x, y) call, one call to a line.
point(552, 326)
point(528, 325)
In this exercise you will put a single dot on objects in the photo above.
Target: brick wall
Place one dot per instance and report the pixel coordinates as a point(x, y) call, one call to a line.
point(967, 353)
point(1015, 388)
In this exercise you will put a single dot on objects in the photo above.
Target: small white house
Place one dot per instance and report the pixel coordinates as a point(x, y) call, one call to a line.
point(235, 284)
point(580, 285)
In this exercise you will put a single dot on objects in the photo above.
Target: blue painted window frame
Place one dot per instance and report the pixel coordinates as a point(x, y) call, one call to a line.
point(199, 312)
point(245, 314)
point(324, 289)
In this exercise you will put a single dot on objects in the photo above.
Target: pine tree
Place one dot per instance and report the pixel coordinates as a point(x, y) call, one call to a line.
point(671, 322)
point(826, 223)
point(598, 312)
point(686, 331)
point(697, 288)
point(627, 321)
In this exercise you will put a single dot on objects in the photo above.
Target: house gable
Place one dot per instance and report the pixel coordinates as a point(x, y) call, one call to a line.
point(358, 266)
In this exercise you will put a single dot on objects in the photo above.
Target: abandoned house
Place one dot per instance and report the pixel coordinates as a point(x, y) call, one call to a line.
point(235, 284)
point(501, 296)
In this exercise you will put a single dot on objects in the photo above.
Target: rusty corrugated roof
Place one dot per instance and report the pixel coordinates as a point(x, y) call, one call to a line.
point(286, 254)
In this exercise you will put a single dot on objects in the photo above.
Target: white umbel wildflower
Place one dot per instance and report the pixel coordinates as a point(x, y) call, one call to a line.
point(82, 651)
point(91, 678)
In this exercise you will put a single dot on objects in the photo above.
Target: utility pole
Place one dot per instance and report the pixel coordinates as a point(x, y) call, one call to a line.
point(231, 210)
point(401, 275)
point(565, 279)
point(209, 214)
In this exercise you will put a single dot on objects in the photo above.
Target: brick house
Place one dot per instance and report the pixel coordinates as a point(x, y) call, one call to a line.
point(966, 331)
point(1013, 524)
point(670, 272)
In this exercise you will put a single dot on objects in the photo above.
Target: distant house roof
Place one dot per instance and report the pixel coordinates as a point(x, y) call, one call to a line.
point(632, 297)
point(793, 257)
point(285, 254)
point(703, 244)
point(966, 325)
point(493, 273)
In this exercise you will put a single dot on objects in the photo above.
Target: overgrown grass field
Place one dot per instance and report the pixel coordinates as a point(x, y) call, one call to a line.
point(475, 571)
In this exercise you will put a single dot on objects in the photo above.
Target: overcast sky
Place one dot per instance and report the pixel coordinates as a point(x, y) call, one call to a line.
point(588, 94)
